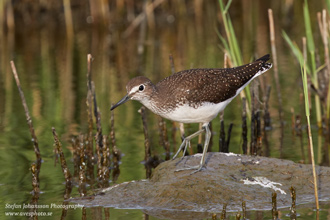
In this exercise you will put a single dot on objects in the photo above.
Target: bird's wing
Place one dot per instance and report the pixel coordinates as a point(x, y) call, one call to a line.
point(213, 85)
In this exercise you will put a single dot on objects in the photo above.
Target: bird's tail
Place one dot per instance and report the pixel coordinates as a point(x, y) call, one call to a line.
point(264, 58)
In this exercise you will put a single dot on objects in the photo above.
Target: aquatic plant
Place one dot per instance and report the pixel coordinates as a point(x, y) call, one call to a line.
point(310, 140)
point(310, 66)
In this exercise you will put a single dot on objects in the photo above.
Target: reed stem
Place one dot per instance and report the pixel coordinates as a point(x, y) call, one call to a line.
point(310, 139)
point(147, 155)
point(275, 65)
point(68, 18)
point(65, 169)
point(27, 114)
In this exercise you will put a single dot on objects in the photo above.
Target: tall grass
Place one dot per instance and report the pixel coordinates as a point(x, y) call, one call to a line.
point(310, 139)
point(310, 67)
point(307, 61)
point(231, 46)
point(311, 50)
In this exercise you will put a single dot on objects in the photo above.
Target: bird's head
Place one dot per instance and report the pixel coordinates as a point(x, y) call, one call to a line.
point(139, 88)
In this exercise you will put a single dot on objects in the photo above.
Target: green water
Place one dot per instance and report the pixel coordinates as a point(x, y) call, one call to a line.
point(52, 69)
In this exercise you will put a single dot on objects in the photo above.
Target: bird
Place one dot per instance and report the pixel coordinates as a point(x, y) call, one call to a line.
point(194, 96)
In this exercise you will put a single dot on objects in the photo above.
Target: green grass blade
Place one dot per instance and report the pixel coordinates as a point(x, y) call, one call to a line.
point(236, 49)
point(308, 27)
point(296, 51)
point(229, 32)
point(313, 68)
point(227, 6)
point(224, 43)
point(320, 68)
point(222, 9)
point(311, 49)
point(305, 85)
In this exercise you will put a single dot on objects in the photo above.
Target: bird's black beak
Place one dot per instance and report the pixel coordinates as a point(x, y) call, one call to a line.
point(122, 101)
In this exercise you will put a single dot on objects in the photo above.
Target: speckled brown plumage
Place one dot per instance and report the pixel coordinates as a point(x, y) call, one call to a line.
point(196, 86)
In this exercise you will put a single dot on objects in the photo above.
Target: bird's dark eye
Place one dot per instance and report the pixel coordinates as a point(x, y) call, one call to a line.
point(141, 88)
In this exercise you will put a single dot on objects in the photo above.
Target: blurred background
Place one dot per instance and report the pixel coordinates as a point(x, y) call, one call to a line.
point(49, 42)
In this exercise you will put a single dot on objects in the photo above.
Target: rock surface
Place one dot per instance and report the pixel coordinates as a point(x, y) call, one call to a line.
point(227, 179)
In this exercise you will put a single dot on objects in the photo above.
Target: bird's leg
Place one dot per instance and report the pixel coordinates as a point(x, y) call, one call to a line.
point(185, 149)
point(206, 145)
point(186, 142)
point(183, 144)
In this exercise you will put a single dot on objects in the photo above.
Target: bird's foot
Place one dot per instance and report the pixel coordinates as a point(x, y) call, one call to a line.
point(195, 168)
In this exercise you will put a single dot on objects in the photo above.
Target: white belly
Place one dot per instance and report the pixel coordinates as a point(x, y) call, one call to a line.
point(203, 114)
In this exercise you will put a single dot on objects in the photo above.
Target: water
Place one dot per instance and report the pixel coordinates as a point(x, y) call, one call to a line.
point(52, 69)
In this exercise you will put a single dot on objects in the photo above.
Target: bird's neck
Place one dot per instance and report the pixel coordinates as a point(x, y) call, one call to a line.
point(154, 101)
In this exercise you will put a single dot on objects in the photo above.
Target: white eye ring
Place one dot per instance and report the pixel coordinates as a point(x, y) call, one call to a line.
point(141, 88)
